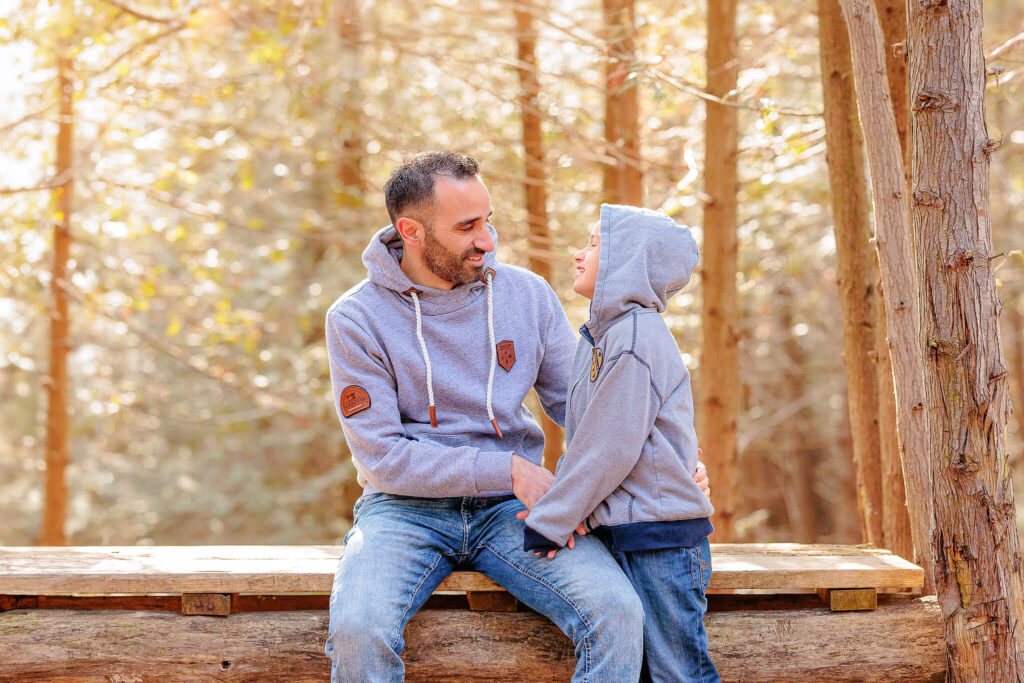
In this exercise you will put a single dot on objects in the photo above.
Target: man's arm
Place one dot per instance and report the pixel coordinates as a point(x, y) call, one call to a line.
point(559, 343)
point(366, 401)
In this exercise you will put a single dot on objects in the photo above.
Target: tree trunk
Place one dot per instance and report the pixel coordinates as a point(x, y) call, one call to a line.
point(896, 532)
point(896, 260)
point(55, 511)
point(533, 186)
point(623, 180)
point(350, 163)
point(858, 298)
point(719, 391)
point(798, 462)
point(977, 566)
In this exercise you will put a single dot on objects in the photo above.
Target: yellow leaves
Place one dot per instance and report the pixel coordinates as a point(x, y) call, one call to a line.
point(148, 289)
point(173, 327)
point(247, 177)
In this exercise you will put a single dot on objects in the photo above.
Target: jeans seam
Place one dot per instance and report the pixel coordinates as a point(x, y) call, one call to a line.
point(582, 617)
point(412, 599)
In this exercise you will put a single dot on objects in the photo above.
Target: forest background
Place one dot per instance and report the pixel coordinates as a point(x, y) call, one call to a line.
point(228, 160)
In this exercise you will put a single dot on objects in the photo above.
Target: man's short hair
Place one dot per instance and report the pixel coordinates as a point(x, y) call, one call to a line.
point(411, 185)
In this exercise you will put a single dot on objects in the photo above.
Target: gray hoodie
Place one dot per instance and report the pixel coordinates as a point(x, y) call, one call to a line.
point(429, 384)
point(632, 449)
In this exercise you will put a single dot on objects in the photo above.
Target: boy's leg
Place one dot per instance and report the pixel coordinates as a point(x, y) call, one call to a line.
point(582, 591)
point(672, 584)
point(396, 554)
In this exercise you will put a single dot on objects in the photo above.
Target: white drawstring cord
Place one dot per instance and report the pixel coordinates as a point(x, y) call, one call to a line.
point(426, 358)
point(494, 350)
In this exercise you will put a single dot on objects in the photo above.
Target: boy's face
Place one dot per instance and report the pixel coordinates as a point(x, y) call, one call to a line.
point(587, 260)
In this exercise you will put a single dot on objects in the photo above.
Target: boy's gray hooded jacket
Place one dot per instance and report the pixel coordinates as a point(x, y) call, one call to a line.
point(418, 376)
point(632, 449)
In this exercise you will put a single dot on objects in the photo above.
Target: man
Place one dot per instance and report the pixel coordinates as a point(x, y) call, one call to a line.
point(431, 358)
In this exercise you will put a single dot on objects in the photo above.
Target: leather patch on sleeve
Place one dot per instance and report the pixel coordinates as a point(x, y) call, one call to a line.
point(354, 399)
point(506, 354)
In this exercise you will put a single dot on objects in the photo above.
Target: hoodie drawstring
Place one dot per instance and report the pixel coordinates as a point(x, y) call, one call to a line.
point(414, 293)
point(488, 278)
point(426, 357)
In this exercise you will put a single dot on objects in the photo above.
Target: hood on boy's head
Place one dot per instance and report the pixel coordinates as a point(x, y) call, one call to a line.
point(645, 259)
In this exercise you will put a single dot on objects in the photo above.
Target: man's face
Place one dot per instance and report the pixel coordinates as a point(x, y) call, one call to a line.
point(587, 260)
point(455, 242)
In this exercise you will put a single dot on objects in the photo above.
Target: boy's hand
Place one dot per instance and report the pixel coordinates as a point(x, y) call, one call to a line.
point(529, 481)
point(580, 530)
point(701, 477)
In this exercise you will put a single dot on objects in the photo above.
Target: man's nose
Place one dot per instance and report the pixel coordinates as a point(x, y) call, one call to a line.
point(484, 241)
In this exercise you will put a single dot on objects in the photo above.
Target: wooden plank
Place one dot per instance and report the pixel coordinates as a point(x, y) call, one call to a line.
point(206, 604)
point(900, 641)
point(310, 569)
point(491, 601)
point(849, 599)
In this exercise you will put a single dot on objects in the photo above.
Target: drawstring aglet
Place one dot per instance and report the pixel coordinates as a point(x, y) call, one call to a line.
point(497, 429)
point(433, 417)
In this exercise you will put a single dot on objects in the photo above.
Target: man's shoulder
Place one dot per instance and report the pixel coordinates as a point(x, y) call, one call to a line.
point(519, 276)
point(354, 301)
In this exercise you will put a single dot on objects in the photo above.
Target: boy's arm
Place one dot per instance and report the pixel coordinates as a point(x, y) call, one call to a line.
point(603, 451)
point(559, 344)
point(366, 400)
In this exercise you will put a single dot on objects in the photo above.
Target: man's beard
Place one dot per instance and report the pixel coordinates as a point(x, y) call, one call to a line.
point(446, 265)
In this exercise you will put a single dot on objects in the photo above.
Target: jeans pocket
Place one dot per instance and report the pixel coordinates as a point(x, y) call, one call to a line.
point(704, 564)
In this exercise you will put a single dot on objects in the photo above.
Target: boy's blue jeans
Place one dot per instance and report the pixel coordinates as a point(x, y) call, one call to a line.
point(400, 549)
point(672, 584)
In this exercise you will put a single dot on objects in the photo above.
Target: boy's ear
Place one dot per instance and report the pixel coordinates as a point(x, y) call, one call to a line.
point(410, 230)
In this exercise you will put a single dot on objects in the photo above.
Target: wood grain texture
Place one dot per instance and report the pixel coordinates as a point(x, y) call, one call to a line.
point(310, 569)
point(450, 645)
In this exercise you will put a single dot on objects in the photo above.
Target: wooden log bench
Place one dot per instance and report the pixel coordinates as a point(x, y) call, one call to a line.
point(130, 614)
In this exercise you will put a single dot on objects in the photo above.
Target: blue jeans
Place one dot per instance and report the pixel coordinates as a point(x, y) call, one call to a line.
point(401, 548)
point(672, 584)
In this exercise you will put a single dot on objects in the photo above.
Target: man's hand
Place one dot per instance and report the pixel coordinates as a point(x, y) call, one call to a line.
point(701, 477)
point(529, 481)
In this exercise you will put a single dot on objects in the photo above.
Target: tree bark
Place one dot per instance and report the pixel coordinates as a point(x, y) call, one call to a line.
point(975, 546)
point(857, 272)
point(749, 645)
point(55, 510)
point(623, 178)
point(719, 391)
point(895, 248)
point(533, 186)
point(896, 532)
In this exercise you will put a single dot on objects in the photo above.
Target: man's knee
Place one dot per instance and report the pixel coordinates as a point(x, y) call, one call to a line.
point(354, 636)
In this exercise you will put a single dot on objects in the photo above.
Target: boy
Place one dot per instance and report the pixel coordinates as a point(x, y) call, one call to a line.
point(627, 474)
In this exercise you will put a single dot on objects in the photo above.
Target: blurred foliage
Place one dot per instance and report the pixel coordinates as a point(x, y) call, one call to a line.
point(214, 224)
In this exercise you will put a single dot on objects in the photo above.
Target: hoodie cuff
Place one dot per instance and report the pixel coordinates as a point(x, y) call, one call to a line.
point(493, 471)
point(534, 540)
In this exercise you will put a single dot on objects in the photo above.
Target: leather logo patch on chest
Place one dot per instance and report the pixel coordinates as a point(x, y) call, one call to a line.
point(506, 354)
point(595, 364)
point(354, 399)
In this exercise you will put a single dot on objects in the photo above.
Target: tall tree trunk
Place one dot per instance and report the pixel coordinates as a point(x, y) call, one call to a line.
point(623, 179)
point(55, 512)
point(896, 532)
point(798, 463)
point(977, 565)
point(350, 164)
point(858, 298)
point(719, 396)
point(895, 247)
point(533, 186)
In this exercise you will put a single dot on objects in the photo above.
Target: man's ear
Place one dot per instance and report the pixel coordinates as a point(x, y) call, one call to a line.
point(410, 230)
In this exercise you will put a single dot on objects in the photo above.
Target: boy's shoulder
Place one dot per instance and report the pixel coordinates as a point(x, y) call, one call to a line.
point(643, 333)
